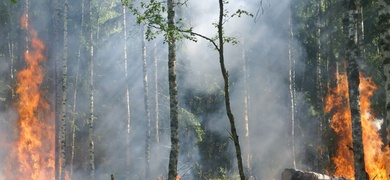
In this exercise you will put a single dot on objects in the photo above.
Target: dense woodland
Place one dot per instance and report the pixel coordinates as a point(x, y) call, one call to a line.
point(184, 88)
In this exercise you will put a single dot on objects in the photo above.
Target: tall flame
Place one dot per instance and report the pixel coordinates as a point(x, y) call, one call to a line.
point(376, 159)
point(32, 155)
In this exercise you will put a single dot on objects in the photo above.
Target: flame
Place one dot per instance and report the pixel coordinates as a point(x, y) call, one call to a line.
point(32, 154)
point(376, 160)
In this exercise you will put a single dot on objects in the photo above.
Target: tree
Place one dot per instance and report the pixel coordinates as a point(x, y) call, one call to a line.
point(91, 95)
point(384, 43)
point(353, 87)
point(127, 95)
point(292, 87)
point(74, 114)
point(246, 114)
point(62, 137)
point(146, 103)
point(225, 75)
point(173, 104)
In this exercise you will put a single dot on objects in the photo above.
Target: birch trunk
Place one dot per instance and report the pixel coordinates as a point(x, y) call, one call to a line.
point(226, 88)
point(360, 31)
point(146, 103)
point(11, 63)
point(62, 138)
point(127, 95)
point(353, 84)
point(173, 99)
point(91, 89)
point(157, 126)
point(74, 114)
point(384, 43)
point(292, 87)
point(246, 115)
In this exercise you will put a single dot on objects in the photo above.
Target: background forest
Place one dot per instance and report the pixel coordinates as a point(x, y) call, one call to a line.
point(281, 69)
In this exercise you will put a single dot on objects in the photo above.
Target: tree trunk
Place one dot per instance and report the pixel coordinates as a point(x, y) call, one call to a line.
point(353, 84)
point(146, 103)
point(292, 88)
point(226, 87)
point(74, 114)
point(11, 64)
point(127, 95)
point(384, 43)
point(157, 126)
point(246, 114)
point(62, 138)
point(91, 89)
point(174, 153)
point(360, 32)
point(55, 56)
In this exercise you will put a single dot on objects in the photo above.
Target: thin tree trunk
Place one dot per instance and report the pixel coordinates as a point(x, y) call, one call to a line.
point(11, 64)
point(127, 95)
point(146, 103)
point(91, 88)
point(246, 114)
point(226, 87)
point(384, 43)
point(174, 113)
point(74, 114)
point(353, 84)
point(320, 98)
point(55, 45)
point(157, 126)
point(156, 106)
point(360, 31)
point(62, 138)
point(292, 88)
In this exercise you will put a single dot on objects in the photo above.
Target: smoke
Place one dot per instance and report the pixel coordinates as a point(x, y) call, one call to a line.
point(264, 43)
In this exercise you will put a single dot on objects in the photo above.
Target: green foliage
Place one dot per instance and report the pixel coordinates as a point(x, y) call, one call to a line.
point(189, 120)
point(14, 1)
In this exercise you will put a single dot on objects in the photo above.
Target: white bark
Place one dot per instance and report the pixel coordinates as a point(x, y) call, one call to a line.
point(146, 103)
point(91, 88)
point(246, 113)
point(292, 90)
point(127, 95)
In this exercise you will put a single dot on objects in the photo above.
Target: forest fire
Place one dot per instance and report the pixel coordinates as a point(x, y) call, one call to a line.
point(376, 159)
point(32, 154)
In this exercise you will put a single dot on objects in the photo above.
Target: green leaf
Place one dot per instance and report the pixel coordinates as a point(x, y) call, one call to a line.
point(14, 1)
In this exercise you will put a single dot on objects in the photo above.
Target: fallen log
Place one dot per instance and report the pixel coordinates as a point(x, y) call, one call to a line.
point(296, 174)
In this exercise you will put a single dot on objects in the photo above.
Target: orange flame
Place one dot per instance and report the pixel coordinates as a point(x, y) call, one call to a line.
point(32, 155)
point(376, 159)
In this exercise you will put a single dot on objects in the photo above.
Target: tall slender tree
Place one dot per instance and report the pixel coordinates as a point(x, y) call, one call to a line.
point(353, 86)
point(225, 75)
point(74, 113)
point(62, 138)
point(292, 87)
point(384, 43)
point(146, 105)
point(156, 106)
point(127, 95)
point(173, 98)
point(246, 113)
point(91, 96)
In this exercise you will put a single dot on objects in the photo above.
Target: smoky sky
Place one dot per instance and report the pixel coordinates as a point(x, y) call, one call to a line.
point(263, 39)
